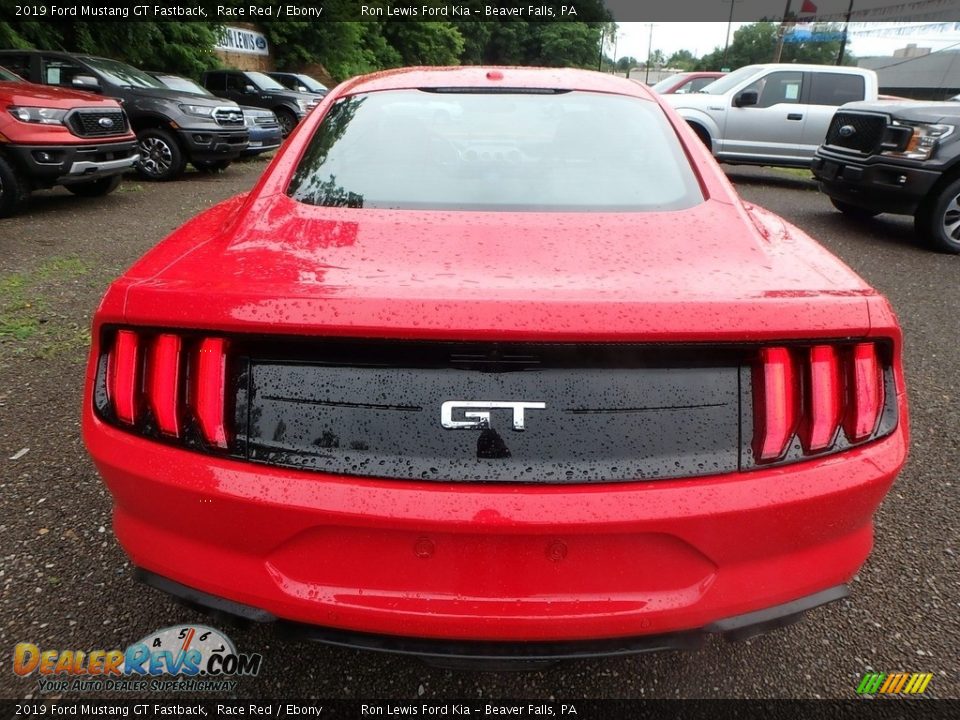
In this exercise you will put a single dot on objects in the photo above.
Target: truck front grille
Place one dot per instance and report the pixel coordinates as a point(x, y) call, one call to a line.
point(98, 123)
point(228, 117)
point(861, 132)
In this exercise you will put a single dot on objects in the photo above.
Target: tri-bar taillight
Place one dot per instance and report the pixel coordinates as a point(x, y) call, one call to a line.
point(823, 396)
point(796, 401)
point(168, 380)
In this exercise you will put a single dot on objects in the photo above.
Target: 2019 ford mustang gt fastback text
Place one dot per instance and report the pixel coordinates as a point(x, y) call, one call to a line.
point(494, 362)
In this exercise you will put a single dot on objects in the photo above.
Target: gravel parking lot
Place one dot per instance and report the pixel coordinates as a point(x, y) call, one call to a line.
point(67, 584)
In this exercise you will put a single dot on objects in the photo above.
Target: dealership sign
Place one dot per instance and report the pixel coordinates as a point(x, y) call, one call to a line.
point(243, 41)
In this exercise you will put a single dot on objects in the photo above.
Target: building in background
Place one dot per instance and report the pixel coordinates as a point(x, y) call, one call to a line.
point(916, 72)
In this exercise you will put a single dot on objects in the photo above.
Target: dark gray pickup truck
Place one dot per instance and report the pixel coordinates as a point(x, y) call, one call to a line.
point(896, 157)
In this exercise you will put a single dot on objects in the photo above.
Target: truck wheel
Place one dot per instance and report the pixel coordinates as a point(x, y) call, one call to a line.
point(938, 220)
point(853, 211)
point(287, 120)
point(212, 166)
point(95, 188)
point(13, 190)
point(160, 156)
point(703, 135)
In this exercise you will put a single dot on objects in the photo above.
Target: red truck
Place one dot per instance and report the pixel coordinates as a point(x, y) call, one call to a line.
point(50, 136)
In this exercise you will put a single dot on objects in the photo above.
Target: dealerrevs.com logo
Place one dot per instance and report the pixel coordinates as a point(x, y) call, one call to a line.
point(185, 658)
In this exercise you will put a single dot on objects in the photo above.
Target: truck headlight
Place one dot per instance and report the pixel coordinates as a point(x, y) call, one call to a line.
point(198, 110)
point(922, 142)
point(42, 115)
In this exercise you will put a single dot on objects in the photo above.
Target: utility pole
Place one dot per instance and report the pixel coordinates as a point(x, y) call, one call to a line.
point(843, 42)
point(646, 79)
point(726, 45)
point(781, 32)
point(600, 57)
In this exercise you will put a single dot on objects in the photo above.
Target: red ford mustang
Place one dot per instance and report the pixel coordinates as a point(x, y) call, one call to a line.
point(495, 363)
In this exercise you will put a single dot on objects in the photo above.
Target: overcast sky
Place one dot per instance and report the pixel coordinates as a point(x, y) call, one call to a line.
point(702, 37)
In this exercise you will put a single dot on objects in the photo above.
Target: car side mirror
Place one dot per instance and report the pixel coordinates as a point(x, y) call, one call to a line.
point(249, 90)
point(747, 98)
point(302, 88)
point(86, 82)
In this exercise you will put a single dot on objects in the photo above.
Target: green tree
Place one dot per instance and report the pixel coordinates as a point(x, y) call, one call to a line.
point(181, 47)
point(627, 62)
point(682, 60)
point(425, 43)
point(757, 43)
point(657, 59)
point(567, 44)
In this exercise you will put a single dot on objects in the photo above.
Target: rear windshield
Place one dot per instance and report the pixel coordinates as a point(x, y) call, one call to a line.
point(461, 150)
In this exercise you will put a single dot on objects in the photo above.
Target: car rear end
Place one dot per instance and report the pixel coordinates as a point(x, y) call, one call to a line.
point(477, 434)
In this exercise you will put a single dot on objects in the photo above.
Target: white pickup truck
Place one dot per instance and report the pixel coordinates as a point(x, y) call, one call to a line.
point(774, 114)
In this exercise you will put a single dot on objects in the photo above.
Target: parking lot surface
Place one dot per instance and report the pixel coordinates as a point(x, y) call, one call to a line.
point(67, 584)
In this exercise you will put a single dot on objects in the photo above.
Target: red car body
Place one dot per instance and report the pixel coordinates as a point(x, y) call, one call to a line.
point(512, 568)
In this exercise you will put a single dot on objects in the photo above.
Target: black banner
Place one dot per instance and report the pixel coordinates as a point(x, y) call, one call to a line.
point(581, 709)
point(225, 11)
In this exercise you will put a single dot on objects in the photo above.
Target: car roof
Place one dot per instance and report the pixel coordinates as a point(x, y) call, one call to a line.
point(810, 67)
point(494, 78)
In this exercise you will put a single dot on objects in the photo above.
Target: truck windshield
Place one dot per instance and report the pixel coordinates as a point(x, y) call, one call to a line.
point(309, 83)
point(522, 150)
point(719, 87)
point(668, 82)
point(7, 76)
point(175, 82)
point(263, 81)
point(121, 74)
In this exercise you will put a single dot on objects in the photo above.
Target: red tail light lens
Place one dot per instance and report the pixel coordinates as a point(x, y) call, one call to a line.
point(824, 394)
point(775, 400)
point(866, 393)
point(145, 384)
point(123, 377)
point(163, 382)
point(811, 393)
point(210, 390)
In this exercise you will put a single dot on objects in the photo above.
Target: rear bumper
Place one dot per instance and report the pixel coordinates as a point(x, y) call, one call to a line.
point(737, 628)
point(531, 563)
point(881, 186)
point(48, 165)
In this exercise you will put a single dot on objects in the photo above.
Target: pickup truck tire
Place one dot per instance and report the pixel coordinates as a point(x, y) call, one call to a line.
point(212, 166)
point(95, 188)
point(13, 189)
point(853, 211)
point(938, 219)
point(287, 120)
point(160, 156)
point(702, 134)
